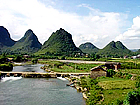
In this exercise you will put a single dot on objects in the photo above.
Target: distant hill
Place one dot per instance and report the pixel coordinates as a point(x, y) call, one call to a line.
point(5, 39)
point(134, 50)
point(138, 51)
point(27, 44)
point(88, 48)
point(115, 49)
point(61, 43)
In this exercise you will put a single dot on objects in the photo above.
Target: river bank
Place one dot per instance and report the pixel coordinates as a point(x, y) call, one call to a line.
point(74, 82)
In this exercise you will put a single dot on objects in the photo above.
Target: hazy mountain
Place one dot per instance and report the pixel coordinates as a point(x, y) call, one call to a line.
point(115, 49)
point(27, 44)
point(88, 48)
point(138, 51)
point(134, 50)
point(61, 43)
point(5, 39)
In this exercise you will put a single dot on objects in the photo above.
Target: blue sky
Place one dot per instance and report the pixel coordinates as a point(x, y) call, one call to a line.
point(95, 21)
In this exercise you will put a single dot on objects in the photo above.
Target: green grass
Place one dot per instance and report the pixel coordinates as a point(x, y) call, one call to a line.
point(113, 95)
point(131, 71)
point(124, 60)
point(57, 66)
point(115, 89)
point(117, 84)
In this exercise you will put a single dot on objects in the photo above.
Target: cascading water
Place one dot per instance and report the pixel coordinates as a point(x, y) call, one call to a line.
point(4, 79)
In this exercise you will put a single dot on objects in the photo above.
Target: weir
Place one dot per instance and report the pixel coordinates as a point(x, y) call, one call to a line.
point(40, 75)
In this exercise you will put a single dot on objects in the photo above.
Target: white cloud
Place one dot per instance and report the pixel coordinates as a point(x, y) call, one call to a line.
point(98, 27)
point(132, 36)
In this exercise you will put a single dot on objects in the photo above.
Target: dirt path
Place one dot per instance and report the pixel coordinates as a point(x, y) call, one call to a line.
point(79, 61)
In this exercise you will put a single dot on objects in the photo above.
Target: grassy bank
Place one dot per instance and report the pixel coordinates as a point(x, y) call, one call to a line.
point(57, 66)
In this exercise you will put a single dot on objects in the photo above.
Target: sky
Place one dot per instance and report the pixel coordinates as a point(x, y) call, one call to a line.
point(95, 21)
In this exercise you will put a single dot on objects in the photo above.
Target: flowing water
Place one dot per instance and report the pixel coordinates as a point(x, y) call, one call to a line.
point(39, 91)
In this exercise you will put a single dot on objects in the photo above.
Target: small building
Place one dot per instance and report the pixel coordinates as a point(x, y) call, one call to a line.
point(113, 65)
point(98, 72)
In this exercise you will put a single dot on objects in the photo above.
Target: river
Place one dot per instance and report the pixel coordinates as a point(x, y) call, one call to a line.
point(37, 91)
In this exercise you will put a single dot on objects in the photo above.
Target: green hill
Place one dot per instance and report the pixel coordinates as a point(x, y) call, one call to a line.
point(5, 39)
point(59, 43)
point(115, 49)
point(27, 44)
point(88, 48)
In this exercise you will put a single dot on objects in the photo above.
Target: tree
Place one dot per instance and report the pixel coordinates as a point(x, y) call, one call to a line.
point(35, 60)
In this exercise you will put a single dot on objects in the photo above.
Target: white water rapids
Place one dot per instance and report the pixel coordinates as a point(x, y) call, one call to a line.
point(61, 78)
point(10, 79)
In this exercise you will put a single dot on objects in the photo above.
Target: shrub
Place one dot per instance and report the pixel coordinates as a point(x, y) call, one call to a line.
point(133, 98)
point(137, 84)
point(123, 75)
point(6, 67)
point(110, 73)
point(35, 60)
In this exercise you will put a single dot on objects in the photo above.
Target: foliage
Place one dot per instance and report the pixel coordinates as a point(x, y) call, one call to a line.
point(35, 60)
point(18, 58)
point(3, 59)
point(6, 67)
point(94, 91)
point(115, 96)
point(137, 84)
point(130, 65)
point(114, 49)
point(110, 73)
point(94, 97)
point(88, 48)
point(5, 39)
point(27, 44)
point(123, 75)
point(115, 89)
point(67, 67)
point(133, 98)
point(60, 43)
point(131, 71)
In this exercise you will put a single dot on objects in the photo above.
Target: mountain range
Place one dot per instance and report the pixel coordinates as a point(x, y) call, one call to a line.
point(59, 43)
point(27, 44)
point(116, 49)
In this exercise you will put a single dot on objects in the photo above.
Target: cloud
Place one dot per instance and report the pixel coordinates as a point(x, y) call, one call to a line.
point(132, 35)
point(98, 27)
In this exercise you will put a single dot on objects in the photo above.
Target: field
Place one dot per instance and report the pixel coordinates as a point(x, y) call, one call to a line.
point(131, 71)
point(117, 84)
point(57, 66)
point(115, 89)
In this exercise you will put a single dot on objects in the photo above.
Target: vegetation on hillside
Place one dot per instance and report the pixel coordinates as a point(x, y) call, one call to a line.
point(59, 43)
point(88, 48)
point(27, 44)
point(5, 39)
point(114, 49)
